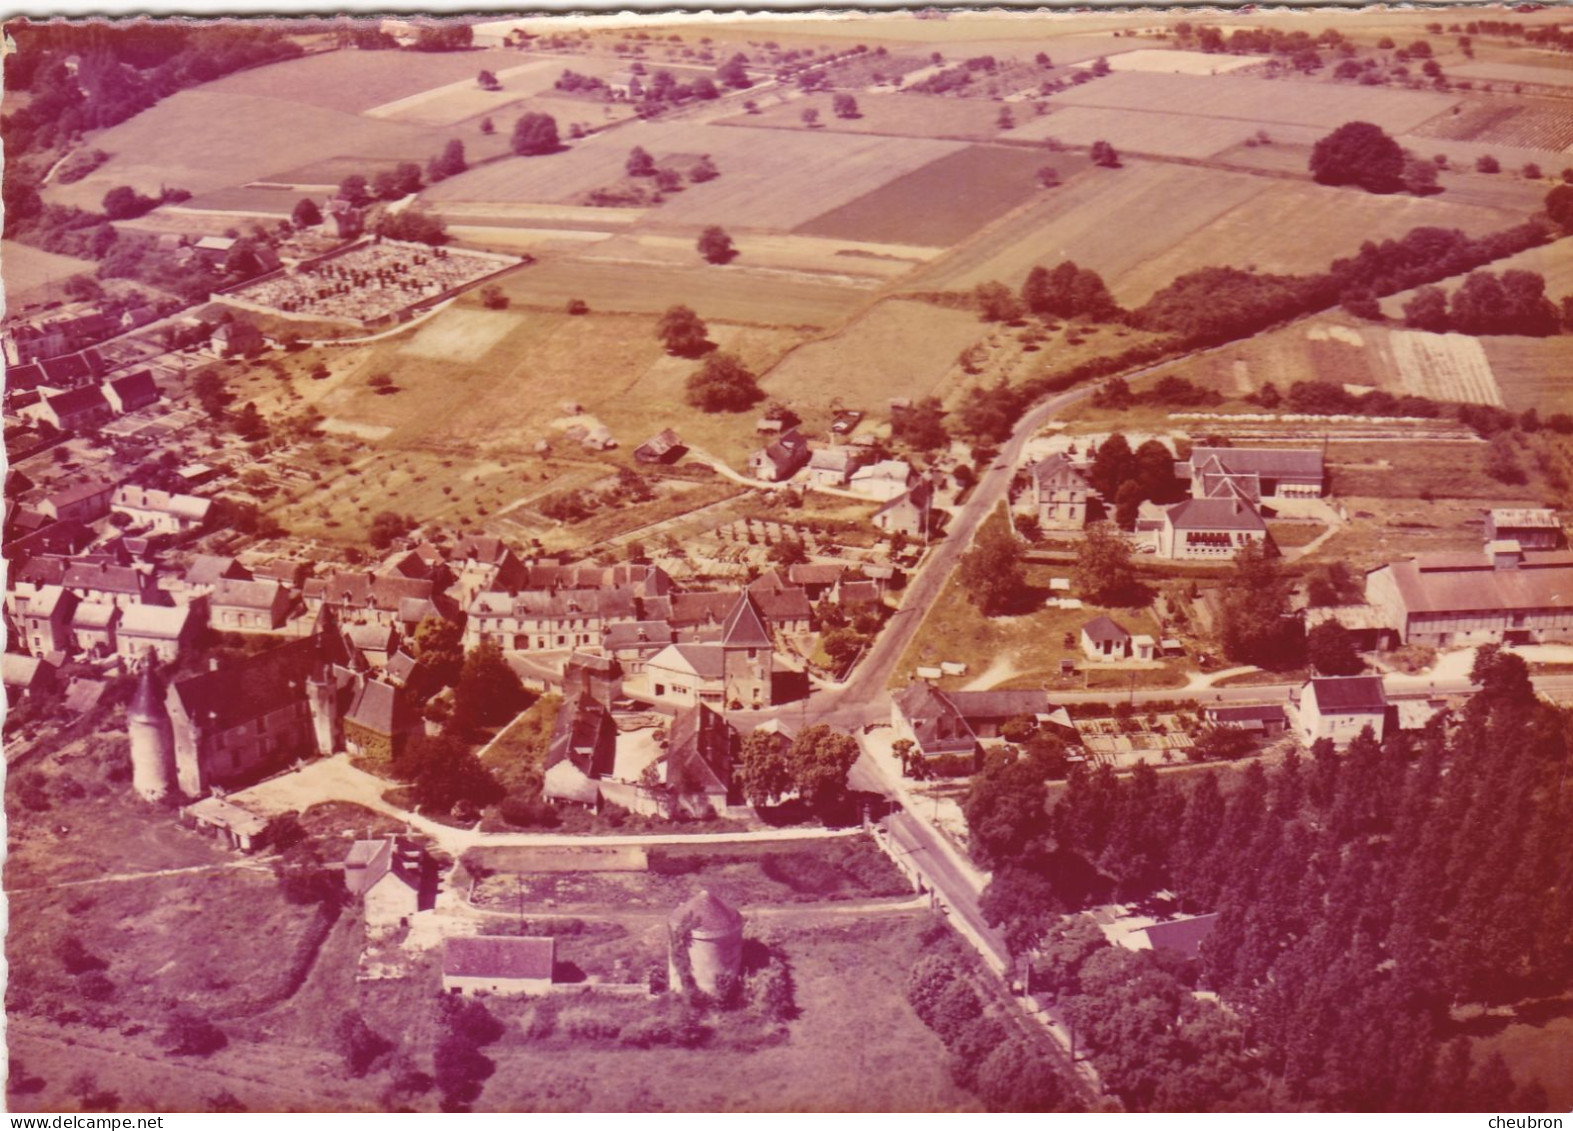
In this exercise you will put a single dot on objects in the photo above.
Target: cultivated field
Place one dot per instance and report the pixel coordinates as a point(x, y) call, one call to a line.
point(770, 179)
point(1154, 60)
point(357, 81)
point(848, 263)
point(1493, 71)
point(1093, 220)
point(1162, 134)
point(1444, 367)
point(27, 269)
point(1262, 101)
point(1533, 372)
point(1544, 124)
point(205, 139)
point(908, 115)
point(946, 200)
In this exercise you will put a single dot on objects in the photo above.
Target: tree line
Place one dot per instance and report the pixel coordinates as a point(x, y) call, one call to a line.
point(1362, 898)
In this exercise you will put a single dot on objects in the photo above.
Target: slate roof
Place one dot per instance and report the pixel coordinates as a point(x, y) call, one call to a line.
point(1268, 463)
point(1215, 514)
point(161, 622)
point(1183, 936)
point(937, 724)
point(78, 491)
point(1445, 583)
point(1105, 629)
point(135, 390)
point(707, 661)
point(699, 752)
point(1059, 468)
point(375, 707)
point(102, 577)
point(637, 634)
point(808, 573)
point(783, 605)
point(499, 956)
point(744, 627)
point(585, 735)
point(250, 687)
point(86, 399)
point(149, 499)
point(210, 569)
point(1351, 694)
point(1006, 704)
point(368, 861)
point(258, 595)
point(367, 590)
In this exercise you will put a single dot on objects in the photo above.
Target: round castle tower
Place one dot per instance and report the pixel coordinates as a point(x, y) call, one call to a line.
point(152, 737)
point(714, 942)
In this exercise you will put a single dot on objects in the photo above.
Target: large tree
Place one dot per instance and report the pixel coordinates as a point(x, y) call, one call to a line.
point(535, 134)
point(1256, 625)
point(716, 246)
point(820, 760)
point(723, 384)
point(921, 426)
point(764, 769)
point(1102, 573)
point(991, 570)
point(1330, 648)
point(683, 331)
point(1361, 154)
point(489, 692)
point(1112, 466)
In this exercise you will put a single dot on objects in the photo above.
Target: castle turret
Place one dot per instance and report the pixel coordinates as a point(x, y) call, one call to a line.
point(152, 737)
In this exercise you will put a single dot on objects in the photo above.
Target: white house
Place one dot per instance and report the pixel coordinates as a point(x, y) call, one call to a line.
point(161, 511)
point(156, 628)
point(500, 964)
point(883, 481)
point(1340, 707)
point(387, 874)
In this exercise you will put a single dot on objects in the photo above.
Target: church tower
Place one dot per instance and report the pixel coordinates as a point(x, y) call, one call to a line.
point(152, 737)
point(747, 656)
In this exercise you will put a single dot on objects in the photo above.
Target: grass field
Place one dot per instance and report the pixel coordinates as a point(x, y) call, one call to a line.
point(1493, 71)
point(1539, 1050)
point(27, 269)
point(1260, 101)
point(770, 179)
point(1153, 60)
point(946, 200)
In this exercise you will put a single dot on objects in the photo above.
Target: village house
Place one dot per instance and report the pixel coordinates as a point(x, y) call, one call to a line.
point(248, 606)
point(664, 447)
point(1254, 473)
point(379, 719)
point(44, 621)
point(1103, 638)
point(393, 878)
point(84, 501)
point(1210, 528)
point(814, 579)
point(1262, 718)
point(1504, 595)
point(93, 627)
point(498, 964)
point(1533, 528)
point(236, 339)
point(103, 583)
point(163, 631)
point(27, 677)
point(581, 751)
point(888, 479)
point(686, 673)
point(633, 644)
point(912, 513)
point(940, 723)
point(202, 574)
point(832, 467)
point(780, 460)
point(1340, 707)
point(548, 620)
point(131, 392)
point(699, 756)
point(371, 598)
point(1061, 495)
point(161, 511)
point(76, 410)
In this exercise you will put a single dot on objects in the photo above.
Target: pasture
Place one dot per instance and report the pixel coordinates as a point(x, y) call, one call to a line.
point(847, 263)
point(1160, 61)
point(770, 179)
point(27, 269)
point(1262, 101)
point(946, 200)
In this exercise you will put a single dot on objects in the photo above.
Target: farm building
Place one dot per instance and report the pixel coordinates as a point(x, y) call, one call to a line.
point(105, 584)
point(699, 750)
point(84, 501)
point(1533, 528)
point(582, 750)
point(93, 628)
point(1340, 707)
point(939, 722)
point(378, 719)
point(1255, 473)
point(236, 339)
point(1503, 595)
point(832, 467)
point(498, 965)
point(131, 392)
point(1210, 528)
point(391, 875)
point(882, 481)
point(1263, 718)
point(1061, 494)
point(664, 447)
point(781, 459)
point(72, 411)
point(26, 677)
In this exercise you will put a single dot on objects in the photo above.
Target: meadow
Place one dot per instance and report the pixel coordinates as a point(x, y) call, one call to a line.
point(1164, 134)
point(908, 115)
point(27, 269)
point(1533, 372)
point(357, 81)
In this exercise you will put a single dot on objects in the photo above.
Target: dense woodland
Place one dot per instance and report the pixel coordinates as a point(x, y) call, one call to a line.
point(1367, 901)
